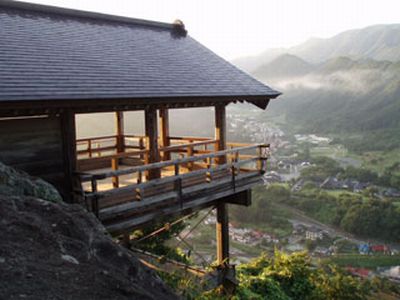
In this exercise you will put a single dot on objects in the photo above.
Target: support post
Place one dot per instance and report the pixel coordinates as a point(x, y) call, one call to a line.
point(68, 130)
point(152, 141)
point(222, 234)
point(222, 226)
point(164, 132)
point(220, 131)
point(119, 126)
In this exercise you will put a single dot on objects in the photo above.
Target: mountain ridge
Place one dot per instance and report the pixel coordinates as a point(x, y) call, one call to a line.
point(379, 42)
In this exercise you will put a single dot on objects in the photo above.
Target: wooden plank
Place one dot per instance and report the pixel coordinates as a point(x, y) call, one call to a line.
point(187, 138)
point(186, 145)
point(96, 139)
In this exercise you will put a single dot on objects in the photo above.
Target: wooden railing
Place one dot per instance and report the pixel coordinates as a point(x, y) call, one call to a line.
point(100, 146)
point(101, 152)
point(235, 159)
point(96, 146)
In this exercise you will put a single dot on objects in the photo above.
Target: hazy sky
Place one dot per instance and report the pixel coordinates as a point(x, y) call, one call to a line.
point(234, 28)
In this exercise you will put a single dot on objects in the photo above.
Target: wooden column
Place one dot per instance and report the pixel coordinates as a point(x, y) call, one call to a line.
point(164, 132)
point(152, 141)
point(222, 226)
point(222, 229)
point(119, 126)
point(220, 131)
point(68, 131)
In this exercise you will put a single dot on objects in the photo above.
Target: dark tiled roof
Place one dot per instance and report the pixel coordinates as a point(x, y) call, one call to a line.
point(53, 53)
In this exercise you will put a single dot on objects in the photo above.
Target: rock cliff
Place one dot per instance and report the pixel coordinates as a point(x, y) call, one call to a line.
point(53, 250)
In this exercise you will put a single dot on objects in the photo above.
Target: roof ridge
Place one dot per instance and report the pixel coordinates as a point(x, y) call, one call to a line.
point(83, 14)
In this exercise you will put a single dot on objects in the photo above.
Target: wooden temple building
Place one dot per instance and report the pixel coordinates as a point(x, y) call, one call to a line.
point(56, 63)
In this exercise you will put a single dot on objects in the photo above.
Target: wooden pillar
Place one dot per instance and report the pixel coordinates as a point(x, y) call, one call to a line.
point(164, 132)
point(220, 130)
point(68, 131)
point(119, 126)
point(222, 226)
point(222, 234)
point(152, 141)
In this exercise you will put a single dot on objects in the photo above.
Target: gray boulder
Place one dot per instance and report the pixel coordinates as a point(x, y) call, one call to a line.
point(18, 183)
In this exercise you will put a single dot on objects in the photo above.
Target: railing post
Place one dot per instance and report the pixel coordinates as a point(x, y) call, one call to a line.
point(262, 156)
point(233, 171)
point(178, 185)
point(190, 154)
point(141, 147)
point(139, 194)
point(114, 167)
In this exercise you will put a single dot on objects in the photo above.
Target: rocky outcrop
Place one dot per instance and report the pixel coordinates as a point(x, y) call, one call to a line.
point(17, 183)
point(59, 251)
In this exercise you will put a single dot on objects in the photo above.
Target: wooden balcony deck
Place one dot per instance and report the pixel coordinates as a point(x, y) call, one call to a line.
point(127, 197)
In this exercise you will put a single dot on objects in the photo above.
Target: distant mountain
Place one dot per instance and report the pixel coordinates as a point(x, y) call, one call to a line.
point(341, 95)
point(348, 85)
point(250, 63)
point(378, 42)
point(283, 66)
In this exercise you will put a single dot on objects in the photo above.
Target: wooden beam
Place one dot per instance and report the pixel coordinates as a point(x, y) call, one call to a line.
point(68, 130)
point(164, 132)
point(242, 198)
point(152, 141)
point(119, 126)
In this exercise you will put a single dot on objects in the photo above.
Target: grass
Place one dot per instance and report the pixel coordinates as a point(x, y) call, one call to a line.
point(364, 261)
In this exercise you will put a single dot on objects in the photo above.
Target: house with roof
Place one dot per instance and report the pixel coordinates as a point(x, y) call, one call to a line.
point(313, 234)
point(58, 63)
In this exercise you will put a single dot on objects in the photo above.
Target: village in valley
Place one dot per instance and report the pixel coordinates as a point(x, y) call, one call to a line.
point(322, 241)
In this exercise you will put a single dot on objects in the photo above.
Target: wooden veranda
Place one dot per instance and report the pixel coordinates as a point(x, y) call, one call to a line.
point(84, 62)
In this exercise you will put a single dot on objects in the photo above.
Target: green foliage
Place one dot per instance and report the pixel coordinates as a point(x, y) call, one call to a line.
point(367, 217)
point(360, 174)
point(263, 213)
point(375, 218)
point(322, 168)
point(335, 285)
point(156, 244)
point(281, 277)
